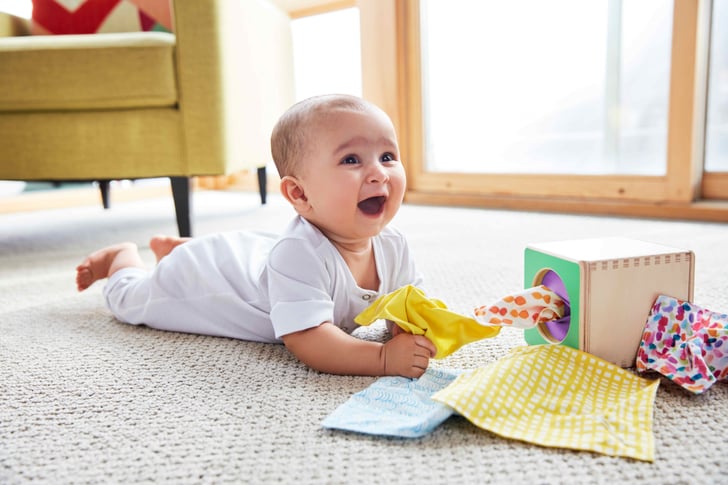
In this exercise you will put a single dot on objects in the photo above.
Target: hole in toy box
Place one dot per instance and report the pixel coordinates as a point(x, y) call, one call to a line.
point(554, 331)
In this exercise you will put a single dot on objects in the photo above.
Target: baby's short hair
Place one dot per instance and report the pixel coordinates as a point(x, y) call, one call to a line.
point(290, 134)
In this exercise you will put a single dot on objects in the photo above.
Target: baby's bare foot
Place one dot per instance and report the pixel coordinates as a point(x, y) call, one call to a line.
point(96, 266)
point(163, 245)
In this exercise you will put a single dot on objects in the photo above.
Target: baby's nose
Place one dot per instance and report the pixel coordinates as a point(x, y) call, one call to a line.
point(378, 173)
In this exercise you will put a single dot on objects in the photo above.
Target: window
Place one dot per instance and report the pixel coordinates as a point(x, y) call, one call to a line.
point(716, 137)
point(533, 91)
point(492, 121)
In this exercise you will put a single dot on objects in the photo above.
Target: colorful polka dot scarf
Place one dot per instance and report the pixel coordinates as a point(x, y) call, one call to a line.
point(685, 343)
point(526, 309)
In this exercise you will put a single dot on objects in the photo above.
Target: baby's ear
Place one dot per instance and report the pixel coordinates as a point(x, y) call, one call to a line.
point(292, 190)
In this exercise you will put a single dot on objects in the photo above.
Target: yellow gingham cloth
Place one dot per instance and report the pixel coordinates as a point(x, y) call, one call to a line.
point(556, 396)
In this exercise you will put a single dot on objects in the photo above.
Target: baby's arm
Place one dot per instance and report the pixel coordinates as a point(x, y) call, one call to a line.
point(329, 349)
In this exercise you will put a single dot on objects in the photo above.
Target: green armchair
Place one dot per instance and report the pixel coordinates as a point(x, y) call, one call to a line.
point(201, 101)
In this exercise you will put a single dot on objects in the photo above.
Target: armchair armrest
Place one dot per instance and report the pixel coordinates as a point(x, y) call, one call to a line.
point(235, 74)
point(11, 26)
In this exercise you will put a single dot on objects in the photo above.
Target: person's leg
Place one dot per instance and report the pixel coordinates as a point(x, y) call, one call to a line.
point(161, 246)
point(191, 289)
point(105, 262)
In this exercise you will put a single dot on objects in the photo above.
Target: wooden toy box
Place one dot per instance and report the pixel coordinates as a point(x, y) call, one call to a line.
point(610, 284)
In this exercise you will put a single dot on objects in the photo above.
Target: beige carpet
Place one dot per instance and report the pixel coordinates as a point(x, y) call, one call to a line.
point(84, 399)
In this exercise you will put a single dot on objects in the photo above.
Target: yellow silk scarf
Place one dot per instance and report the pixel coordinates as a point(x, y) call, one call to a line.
point(417, 314)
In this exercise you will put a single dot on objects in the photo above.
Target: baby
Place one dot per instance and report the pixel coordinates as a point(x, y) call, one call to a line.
point(338, 159)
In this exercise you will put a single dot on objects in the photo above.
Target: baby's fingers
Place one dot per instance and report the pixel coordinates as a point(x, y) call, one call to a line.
point(426, 344)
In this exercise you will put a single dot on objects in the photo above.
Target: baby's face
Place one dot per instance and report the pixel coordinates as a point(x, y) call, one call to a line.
point(351, 174)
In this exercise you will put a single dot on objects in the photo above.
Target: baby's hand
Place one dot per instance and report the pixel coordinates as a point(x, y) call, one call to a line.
point(394, 329)
point(407, 355)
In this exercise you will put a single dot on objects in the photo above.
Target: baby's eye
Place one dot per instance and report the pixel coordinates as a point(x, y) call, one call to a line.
point(388, 157)
point(350, 160)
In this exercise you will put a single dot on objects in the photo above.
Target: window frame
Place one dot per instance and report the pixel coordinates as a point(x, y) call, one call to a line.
point(392, 78)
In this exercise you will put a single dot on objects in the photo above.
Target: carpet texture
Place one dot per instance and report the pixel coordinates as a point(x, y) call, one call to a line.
point(85, 399)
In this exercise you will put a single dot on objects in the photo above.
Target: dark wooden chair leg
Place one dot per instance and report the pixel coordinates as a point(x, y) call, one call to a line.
point(262, 184)
point(104, 186)
point(181, 196)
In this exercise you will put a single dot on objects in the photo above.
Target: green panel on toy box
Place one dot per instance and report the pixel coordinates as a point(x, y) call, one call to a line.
point(536, 265)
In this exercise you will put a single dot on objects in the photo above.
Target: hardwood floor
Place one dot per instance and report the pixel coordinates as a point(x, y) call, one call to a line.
point(76, 197)
point(90, 195)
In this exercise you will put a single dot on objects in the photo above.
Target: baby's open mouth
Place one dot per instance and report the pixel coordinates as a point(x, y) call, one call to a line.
point(372, 205)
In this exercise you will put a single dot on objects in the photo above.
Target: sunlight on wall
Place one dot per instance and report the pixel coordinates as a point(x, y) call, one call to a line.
point(327, 54)
point(20, 8)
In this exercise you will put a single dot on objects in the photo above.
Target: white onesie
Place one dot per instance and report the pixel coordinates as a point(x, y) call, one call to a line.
point(254, 286)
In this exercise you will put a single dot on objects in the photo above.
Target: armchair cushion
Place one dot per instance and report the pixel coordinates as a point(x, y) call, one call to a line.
point(87, 72)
